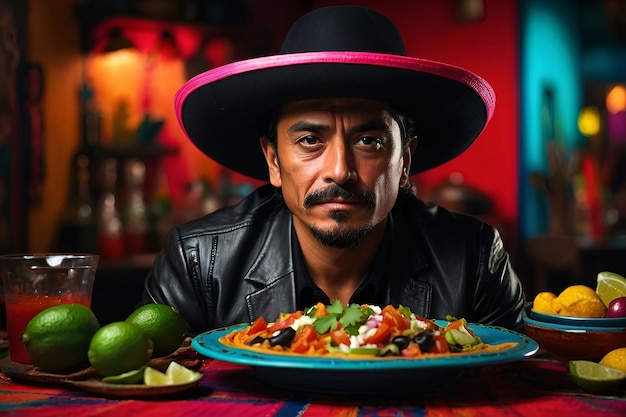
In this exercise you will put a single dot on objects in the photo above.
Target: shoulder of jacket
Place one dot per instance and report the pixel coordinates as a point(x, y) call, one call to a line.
point(254, 209)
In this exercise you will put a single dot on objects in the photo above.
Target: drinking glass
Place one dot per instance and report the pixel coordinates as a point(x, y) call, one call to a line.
point(34, 282)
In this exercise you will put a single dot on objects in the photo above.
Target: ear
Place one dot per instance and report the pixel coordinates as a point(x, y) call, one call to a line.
point(271, 157)
point(407, 155)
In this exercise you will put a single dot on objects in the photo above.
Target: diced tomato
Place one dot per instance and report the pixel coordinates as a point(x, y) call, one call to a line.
point(320, 344)
point(340, 337)
point(395, 319)
point(381, 336)
point(441, 346)
point(259, 325)
point(287, 321)
point(411, 351)
point(303, 341)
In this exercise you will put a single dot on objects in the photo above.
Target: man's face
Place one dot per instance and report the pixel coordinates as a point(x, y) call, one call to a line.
point(340, 164)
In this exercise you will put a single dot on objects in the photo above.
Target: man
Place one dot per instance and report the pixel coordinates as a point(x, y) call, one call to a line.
point(344, 118)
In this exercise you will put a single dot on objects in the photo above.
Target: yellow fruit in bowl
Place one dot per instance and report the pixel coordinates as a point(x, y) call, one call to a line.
point(543, 303)
point(615, 359)
point(579, 301)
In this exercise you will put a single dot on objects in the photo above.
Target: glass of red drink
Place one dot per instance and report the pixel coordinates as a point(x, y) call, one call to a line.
point(35, 282)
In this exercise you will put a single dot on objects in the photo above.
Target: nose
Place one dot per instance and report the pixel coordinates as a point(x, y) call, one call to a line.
point(339, 166)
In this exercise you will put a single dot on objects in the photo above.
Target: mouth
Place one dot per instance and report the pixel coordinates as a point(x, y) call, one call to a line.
point(341, 203)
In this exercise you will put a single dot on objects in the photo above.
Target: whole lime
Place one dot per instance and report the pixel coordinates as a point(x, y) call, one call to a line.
point(119, 347)
point(163, 324)
point(57, 339)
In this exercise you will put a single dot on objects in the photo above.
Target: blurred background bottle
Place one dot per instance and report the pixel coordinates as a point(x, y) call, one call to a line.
point(110, 226)
point(135, 213)
point(77, 230)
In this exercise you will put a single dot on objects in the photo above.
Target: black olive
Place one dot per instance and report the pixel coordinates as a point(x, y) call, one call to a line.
point(401, 341)
point(425, 340)
point(283, 338)
point(257, 340)
point(455, 348)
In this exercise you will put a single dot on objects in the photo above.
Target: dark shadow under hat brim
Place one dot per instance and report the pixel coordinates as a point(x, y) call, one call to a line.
point(224, 111)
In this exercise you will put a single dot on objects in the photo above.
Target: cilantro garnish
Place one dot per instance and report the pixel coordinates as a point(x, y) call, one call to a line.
point(350, 318)
point(335, 307)
point(325, 324)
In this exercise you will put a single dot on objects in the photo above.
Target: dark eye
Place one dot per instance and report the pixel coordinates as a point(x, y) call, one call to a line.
point(309, 140)
point(371, 141)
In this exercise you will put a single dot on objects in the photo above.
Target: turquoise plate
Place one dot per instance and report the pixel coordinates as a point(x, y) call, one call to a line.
point(365, 376)
point(579, 321)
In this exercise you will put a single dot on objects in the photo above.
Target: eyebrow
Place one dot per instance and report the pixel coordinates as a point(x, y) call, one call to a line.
point(374, 124)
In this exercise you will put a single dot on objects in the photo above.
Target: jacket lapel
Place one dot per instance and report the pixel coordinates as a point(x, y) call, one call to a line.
point(273, 273)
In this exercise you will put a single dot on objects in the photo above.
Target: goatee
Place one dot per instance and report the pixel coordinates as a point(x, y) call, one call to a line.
point(343, 238)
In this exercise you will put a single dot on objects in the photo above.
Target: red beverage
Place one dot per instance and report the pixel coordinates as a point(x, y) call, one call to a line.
point(21, 309)
point(32, 283)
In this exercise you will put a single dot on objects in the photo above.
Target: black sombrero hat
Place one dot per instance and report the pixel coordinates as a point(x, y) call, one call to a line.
point(337, 51)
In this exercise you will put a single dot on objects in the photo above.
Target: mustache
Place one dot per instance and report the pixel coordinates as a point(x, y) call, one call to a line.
point(337, 192)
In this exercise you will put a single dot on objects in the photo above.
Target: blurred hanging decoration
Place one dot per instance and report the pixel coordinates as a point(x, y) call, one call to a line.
point(108, 39)
point(116, 41)
point(167, 46)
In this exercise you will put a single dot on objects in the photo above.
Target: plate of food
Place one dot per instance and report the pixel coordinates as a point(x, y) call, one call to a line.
point(362, 349)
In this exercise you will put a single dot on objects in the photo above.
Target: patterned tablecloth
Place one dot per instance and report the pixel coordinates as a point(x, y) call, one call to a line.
point(532, 387)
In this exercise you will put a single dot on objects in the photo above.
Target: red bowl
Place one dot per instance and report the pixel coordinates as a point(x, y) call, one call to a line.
point(574, 344)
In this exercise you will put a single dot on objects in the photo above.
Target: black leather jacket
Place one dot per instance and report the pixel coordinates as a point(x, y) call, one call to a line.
point(235, 265)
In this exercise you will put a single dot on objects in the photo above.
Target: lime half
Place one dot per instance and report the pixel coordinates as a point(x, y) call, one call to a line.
point(175, 374)
point(178, 374)
point(130, 377)
point(610, 286)
point(153, 377)
point(593, 377)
